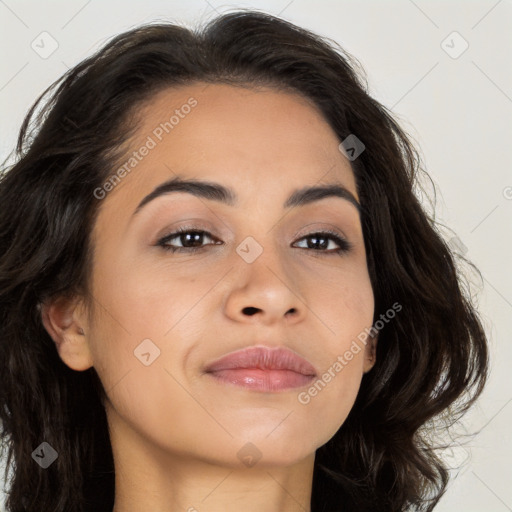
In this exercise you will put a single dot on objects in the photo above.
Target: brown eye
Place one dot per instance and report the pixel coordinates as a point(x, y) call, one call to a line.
point(319, 242)
point(190, 239)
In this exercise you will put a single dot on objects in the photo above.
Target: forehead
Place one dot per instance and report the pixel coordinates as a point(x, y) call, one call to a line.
point(257, 141)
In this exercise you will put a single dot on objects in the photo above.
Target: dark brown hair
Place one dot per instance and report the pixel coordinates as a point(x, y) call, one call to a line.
point(432, 358)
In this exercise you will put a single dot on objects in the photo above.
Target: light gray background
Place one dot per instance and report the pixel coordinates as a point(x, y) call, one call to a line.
point(458, 110)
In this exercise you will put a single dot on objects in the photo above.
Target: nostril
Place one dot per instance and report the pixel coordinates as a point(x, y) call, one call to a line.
point(250, 310)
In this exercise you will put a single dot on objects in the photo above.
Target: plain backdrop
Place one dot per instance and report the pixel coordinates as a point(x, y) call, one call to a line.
point(443, 68)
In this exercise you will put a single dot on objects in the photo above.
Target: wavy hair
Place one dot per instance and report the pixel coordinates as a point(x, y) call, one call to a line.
point(432, 358)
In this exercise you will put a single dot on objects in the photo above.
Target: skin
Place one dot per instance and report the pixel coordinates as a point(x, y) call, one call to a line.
point(176, 431)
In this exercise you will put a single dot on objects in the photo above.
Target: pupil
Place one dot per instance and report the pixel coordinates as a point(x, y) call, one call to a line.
point(314, 243)
point(190, 237)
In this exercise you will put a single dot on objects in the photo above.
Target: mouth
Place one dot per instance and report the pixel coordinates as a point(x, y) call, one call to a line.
point(263, 369)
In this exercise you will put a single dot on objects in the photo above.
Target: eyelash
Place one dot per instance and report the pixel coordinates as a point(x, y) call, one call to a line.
point(345, 245)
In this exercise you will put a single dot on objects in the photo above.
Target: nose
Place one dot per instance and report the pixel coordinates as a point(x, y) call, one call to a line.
point(264, 291)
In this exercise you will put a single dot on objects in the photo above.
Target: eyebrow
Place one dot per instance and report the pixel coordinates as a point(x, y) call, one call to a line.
point(216, 192)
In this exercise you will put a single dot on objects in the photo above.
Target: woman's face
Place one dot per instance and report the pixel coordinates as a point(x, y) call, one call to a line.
point(259, 278)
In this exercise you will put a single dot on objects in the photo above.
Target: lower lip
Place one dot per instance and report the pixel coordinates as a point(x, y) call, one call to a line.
point(263, 380)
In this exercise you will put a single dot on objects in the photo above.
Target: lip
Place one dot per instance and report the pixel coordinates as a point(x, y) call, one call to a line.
point(263, 369)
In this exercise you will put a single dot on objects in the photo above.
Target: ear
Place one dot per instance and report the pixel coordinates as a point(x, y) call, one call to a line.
point(370, 354)
point(64, 320)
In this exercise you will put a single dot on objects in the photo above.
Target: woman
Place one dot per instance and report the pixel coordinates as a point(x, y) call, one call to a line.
point(218, 289)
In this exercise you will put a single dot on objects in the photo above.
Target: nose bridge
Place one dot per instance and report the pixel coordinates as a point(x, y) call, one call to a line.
point(261, 243)
point(262, 251)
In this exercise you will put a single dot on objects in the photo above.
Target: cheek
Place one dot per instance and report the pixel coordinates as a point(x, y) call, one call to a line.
point(141, 375)
point(346, 309)
point(347, 304)
point(144, 325)
point(148, 299)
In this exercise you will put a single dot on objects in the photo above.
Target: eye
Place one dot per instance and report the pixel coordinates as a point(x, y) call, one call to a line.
point(188, 237)
point(321, 240)
point(192, 240)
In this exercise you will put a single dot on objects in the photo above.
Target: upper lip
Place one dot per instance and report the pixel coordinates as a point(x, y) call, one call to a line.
point(263, 358)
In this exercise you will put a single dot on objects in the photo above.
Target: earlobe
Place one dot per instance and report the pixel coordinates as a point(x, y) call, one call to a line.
point(370, 356)
point(63, 322)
